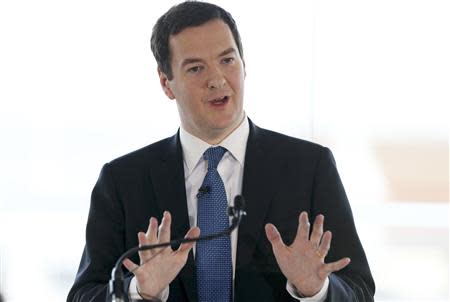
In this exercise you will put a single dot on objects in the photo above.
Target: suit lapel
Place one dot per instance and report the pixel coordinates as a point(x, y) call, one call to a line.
point(259, 183)
point(169, 185)
point(167, 175)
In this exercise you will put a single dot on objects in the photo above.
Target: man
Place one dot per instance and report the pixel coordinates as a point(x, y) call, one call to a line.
point(217, 154)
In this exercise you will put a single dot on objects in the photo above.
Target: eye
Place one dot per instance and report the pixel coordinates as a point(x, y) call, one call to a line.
point(228, 60)
point(195, 69)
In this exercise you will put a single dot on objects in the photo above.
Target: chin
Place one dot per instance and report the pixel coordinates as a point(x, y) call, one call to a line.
point(225, 124)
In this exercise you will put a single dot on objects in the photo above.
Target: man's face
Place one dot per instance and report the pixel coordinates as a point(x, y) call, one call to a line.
point(208, 80)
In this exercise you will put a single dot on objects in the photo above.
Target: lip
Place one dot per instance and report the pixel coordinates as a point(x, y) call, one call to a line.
point(214, 103)
point(217, 97)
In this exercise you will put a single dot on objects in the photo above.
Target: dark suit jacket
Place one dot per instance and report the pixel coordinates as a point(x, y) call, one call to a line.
point(282, 177)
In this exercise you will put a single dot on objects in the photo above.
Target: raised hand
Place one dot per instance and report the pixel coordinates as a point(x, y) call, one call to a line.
point(303, 262)
point(159, 266)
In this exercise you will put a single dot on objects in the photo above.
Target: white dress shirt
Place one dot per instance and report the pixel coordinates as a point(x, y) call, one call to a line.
point(231, 170)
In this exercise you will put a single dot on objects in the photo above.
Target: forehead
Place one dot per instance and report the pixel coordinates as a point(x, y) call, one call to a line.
point(206, 40)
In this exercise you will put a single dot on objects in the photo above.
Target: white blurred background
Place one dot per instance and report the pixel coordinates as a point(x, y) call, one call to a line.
point(369, 79)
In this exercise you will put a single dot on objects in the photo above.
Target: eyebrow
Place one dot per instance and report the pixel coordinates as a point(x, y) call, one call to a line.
point(227, 51)
point(196, 60)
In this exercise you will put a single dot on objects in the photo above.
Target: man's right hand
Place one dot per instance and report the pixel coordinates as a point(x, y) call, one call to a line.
point(158, 267)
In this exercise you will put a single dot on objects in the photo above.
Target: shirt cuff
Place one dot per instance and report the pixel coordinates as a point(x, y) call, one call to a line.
point(133, 294)
point(319, 297)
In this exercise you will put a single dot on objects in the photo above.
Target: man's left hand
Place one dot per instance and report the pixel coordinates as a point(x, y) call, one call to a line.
point(303, 262)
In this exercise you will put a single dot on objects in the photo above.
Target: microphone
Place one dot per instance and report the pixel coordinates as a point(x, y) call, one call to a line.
point(116, 288)
point(203, 190)
point(238, 210)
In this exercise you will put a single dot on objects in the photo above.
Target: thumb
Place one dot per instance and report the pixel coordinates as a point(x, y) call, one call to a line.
point(130, 265)
point(186, 247)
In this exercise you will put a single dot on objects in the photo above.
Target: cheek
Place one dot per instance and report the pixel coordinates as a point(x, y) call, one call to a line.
point(236, 79)
point(182, 93)
point(192, 87)
point(190, 100)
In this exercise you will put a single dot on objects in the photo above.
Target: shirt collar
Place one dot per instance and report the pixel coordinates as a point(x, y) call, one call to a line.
point(193, 147)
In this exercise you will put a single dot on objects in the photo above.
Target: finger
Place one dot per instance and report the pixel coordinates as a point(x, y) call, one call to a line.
point(274, 237)
point(303, 228)
point(164, 228)
point(317, 230)
point(186, 247)
point(143, 240)
point(324, 246)
point(334, 266)
point(130, 265)
point(152, 231)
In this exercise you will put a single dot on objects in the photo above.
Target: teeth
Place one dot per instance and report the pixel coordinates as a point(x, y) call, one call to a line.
point(219, 100)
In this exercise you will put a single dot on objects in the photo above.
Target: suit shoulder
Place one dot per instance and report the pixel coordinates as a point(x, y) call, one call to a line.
point(143, 156)
point(282, 142)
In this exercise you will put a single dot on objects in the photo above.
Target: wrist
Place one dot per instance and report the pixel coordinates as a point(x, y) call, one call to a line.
point(145, 296)
point(306, 291)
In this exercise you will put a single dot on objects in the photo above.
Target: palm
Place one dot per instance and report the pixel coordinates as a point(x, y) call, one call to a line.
point(303, 262)
point(158, 267)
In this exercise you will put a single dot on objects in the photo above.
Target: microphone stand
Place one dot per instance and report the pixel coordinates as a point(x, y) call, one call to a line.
point(116, 287)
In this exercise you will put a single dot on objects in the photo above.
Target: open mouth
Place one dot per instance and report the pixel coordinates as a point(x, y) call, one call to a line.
point(220, 101)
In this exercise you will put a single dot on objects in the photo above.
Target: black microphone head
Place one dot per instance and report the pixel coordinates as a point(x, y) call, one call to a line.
point(204, 189)
point(239, 202)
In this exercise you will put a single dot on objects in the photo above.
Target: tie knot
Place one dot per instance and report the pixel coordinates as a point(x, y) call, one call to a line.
point(213, 155)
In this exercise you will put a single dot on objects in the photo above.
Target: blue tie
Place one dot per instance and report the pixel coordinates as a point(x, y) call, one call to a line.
point(213, 258)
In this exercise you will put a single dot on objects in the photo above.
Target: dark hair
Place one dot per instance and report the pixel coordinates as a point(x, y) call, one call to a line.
point(181, 16)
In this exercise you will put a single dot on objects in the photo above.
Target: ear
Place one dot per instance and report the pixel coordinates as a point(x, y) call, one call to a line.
point(164, 81)
point(245, 71)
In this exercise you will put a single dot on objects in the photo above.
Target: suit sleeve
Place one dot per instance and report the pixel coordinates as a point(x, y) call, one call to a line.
point(354, 282)
point(104, 242)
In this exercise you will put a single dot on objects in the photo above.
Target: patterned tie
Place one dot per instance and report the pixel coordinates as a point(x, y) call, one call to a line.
point(213, 257)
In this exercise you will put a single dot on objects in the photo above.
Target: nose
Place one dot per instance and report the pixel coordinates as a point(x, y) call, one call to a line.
point(216, 80)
